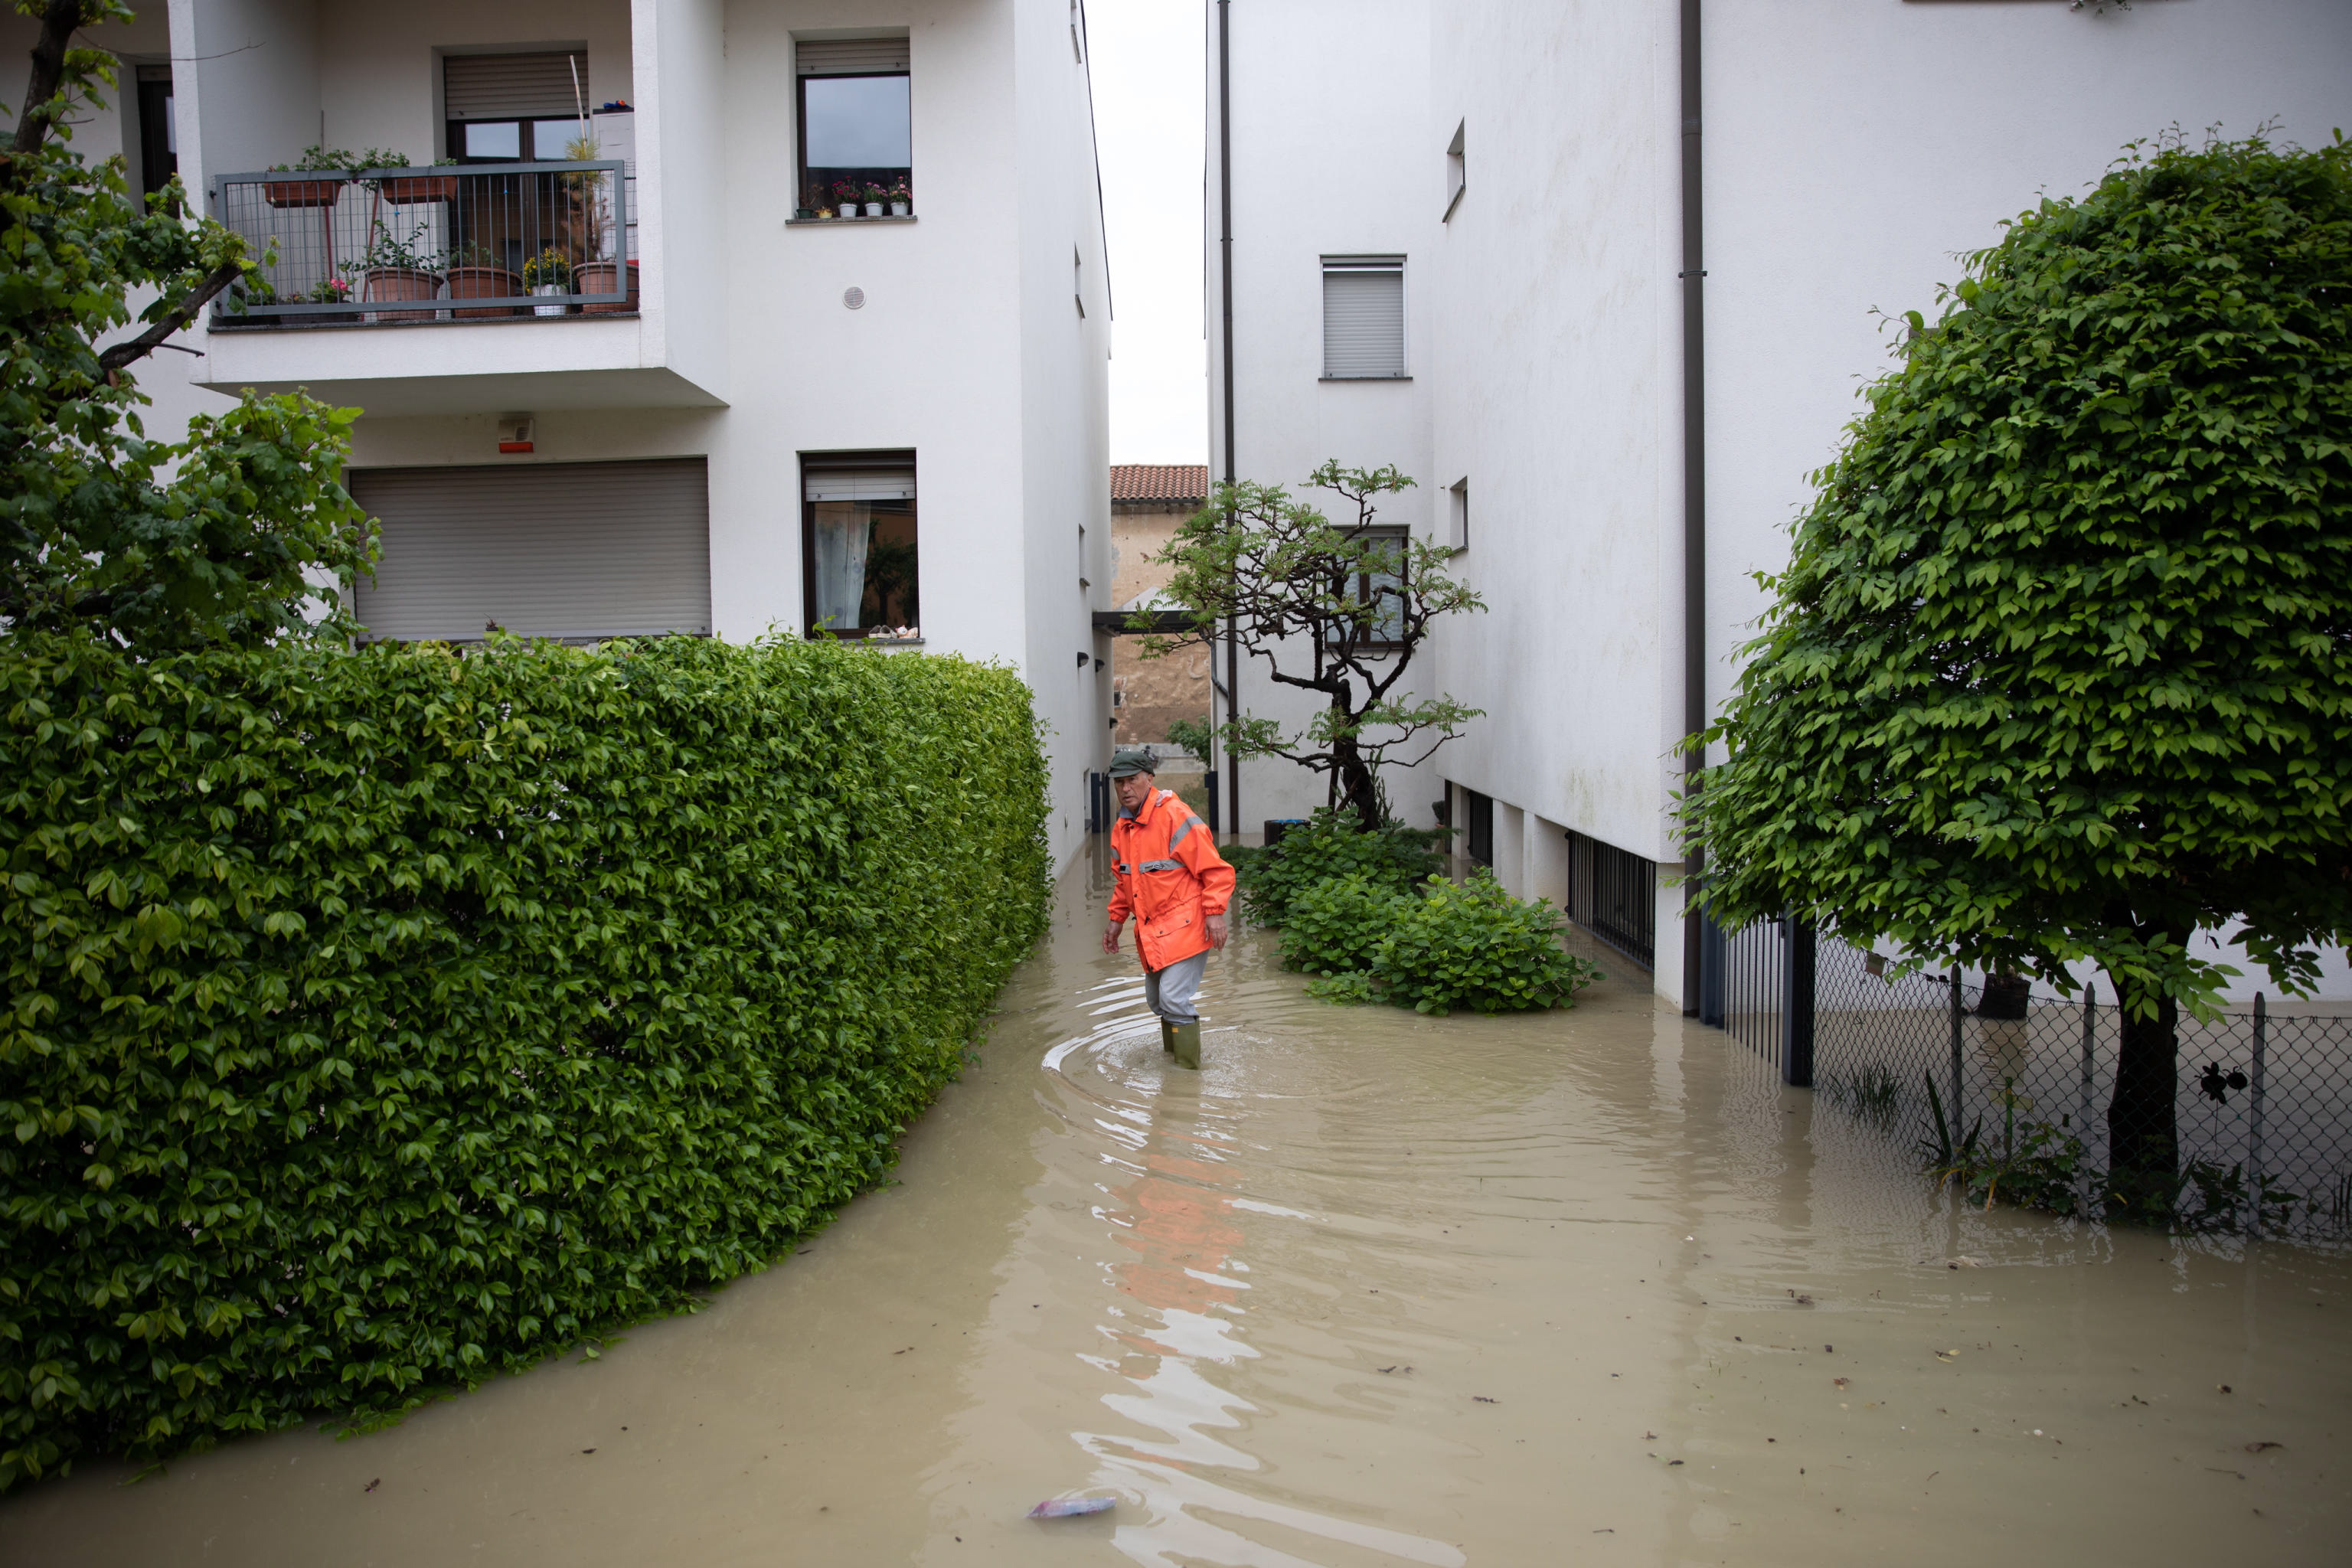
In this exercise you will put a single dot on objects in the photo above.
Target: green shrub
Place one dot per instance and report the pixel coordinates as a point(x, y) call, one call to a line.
point(1472, 945)
point(1337, 927)
point(1328, 847)
point(379, 1022)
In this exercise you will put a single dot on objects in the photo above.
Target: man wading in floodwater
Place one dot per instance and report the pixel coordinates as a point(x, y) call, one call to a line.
point(1172, 880)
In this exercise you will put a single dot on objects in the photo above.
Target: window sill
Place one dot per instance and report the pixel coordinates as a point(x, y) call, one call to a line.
point(844, 222)
point(1363, 378)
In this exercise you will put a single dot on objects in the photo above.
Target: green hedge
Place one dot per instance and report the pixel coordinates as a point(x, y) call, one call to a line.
point(377, 1022)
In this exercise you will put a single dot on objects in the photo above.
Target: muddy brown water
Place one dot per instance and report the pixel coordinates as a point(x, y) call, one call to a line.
point(1371, 1288)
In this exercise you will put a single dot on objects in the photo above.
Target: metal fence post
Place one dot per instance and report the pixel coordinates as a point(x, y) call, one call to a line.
point(2090, 1041)
point(2255, 1111)
point(1958, 1012)
point(1797, 1006)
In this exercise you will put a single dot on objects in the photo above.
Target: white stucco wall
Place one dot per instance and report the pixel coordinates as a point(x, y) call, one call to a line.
point(1328, 101)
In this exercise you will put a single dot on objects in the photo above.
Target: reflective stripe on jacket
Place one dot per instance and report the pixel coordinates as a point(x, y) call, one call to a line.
point(1171, 877)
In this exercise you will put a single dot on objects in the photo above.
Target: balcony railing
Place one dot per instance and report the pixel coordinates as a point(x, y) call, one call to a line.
point(451, 242)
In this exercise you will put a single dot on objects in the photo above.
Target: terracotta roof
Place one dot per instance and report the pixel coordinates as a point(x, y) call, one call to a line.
point(1170, 484)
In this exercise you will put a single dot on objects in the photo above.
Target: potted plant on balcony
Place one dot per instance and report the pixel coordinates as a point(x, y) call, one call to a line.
point(330, 291)
point(407, 190)
point(877, 198)
point(902, 199)
point(396, 268)
point(845, 198)
point(474, 274)
point(547, 275)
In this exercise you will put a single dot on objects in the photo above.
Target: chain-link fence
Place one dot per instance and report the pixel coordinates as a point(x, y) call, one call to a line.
point(2263, 1100)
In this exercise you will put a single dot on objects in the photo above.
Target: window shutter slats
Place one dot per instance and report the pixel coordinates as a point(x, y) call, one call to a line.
point(511, 87)
point(859, 484)
point(1364, 321)
point(552, 549)
point(850, 57)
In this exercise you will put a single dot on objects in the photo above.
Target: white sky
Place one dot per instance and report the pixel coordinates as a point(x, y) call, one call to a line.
point(1148, 63)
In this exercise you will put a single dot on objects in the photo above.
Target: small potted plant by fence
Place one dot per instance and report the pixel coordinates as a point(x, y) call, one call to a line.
point(902, 200)
point(330, 291)
point(845, 198)
point(548, 274)
point(475, 276)
point(398, 267)
point(877, 197)
point(405, 190)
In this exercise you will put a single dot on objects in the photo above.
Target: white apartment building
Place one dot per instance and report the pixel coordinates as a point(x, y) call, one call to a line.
point(648, 376)
point(1452, 234)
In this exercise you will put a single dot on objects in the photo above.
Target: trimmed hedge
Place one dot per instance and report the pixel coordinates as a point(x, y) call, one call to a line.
point(379, 1022)
point(1442, 947)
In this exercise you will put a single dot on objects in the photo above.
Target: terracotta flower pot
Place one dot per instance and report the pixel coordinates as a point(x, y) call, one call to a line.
point(410, 189)
point(304, 192)
point(483, 283)
point(597, 278)
point(381, 283)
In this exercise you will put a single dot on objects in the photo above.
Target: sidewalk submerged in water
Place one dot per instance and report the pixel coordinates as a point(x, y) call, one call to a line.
point(1371, 1287)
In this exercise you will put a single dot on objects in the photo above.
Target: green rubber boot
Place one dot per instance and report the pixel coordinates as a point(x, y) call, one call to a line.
point(1167, 1036)
point(1187, 1046)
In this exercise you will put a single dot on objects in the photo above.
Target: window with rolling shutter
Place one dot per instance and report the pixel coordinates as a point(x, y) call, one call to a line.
point(1363, 318)
point(857, 126)
point(513, 108)
point(860, 573)
point(574, 550)
point(512, 86)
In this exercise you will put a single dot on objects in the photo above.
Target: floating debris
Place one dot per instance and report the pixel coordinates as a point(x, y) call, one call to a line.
point(1065, 1507)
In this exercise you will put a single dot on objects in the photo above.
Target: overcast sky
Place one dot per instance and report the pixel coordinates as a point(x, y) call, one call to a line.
point(1147, 61)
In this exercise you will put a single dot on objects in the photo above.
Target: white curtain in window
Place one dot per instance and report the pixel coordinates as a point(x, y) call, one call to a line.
point(845, 531)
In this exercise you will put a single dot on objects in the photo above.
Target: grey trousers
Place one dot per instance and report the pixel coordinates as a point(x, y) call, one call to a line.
point(1170, 990)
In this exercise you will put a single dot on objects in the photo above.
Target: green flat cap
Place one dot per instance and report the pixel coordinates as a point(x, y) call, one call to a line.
point(1126, 764)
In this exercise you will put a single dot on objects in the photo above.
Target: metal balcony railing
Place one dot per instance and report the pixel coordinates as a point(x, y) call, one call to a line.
point(449, 242)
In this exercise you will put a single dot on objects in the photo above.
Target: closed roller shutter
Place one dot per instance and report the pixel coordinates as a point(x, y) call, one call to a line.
point(850, 57)
point(511, 87)
point(552, 549)
point(1363, 320)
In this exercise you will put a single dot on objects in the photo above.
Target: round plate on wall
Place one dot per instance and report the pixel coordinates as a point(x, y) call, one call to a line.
point(854, 297)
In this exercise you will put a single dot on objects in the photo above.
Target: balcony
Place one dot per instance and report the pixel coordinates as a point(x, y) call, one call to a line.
point(540, 231)
point(539, 241)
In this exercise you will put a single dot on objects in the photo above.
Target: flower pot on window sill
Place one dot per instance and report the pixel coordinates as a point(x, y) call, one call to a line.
point(483, 283)
point(379, 284)
point(873, 209)
point(598, 277)
point(901, 209)
point(551, 291)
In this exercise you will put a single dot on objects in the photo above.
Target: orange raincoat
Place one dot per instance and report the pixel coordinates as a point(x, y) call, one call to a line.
point(1171, 877)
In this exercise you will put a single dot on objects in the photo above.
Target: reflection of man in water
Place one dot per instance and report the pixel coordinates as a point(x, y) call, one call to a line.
point(1172, 878)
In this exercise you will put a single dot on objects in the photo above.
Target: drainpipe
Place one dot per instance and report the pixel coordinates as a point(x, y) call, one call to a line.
point(1693, 281)
point(1225, 299)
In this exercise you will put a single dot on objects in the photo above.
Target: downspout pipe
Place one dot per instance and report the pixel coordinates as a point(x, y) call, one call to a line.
point(1696, 972)
point(1225, 301)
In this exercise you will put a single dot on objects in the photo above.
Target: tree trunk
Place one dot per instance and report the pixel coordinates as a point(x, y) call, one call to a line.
point(2143, 1132)
point(1353, 776)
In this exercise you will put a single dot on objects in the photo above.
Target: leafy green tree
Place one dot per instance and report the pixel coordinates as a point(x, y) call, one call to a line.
point(1334, 610)
point(2061, 667)
point(240, 532)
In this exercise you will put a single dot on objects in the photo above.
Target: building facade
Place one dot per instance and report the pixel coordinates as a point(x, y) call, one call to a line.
point(1469, 243)
point(648, 373)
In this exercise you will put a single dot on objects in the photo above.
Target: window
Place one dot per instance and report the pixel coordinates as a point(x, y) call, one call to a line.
point(856, 128)
point(513, 109)
point(858, 543)
point(1363, 318)
point(1459, 534)
point(1379, 583)
point(159, 136)
point(1478, 814)
point(1457, 173)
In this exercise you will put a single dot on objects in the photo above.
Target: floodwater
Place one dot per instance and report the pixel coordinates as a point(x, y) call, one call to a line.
point(1371, 1288)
